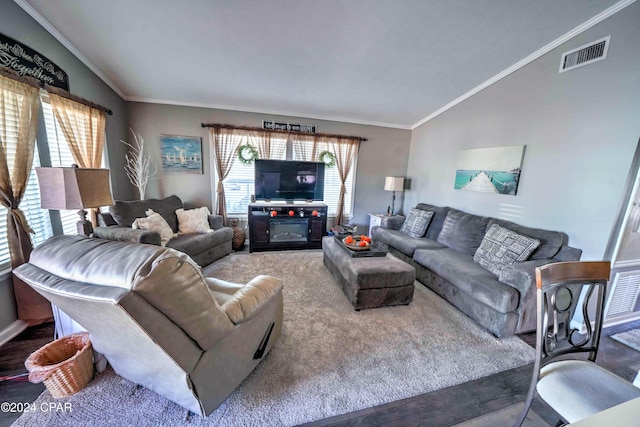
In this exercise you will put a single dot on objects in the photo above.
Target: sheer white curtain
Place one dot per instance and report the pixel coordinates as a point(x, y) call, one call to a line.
point(18, 124)
point(84, 129)
point(345, 150)
point(305, 147)
point(225, 143)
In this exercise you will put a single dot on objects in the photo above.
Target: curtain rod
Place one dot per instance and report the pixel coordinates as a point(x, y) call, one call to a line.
point(327, 135)
point(32, 81)
point(66, 94)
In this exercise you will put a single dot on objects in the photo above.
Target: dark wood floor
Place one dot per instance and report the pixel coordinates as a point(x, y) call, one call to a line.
point(12, 357)
point(445, 407)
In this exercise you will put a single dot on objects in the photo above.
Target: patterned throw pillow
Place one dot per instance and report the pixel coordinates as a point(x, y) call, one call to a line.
point(155, 222)
point(501, 247)
point(193, 220)
point(416, 223)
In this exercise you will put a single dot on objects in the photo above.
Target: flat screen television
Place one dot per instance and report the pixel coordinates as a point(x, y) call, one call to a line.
point(289, 180)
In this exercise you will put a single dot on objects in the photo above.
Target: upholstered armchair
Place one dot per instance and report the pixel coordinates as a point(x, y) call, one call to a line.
point(157, 319)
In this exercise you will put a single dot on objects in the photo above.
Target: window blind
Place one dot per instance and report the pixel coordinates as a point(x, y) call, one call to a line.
point(60, 157)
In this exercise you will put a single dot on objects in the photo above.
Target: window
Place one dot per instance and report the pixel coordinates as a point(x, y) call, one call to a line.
point(239, 183)
point(332, 181)
point(60, 157)
point(239, 186)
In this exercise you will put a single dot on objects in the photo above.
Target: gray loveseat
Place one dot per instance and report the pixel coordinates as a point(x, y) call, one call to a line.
point(203, 248)
point(503, 304)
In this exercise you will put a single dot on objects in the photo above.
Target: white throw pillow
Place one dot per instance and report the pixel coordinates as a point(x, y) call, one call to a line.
point(193, 220)
point(155, 222)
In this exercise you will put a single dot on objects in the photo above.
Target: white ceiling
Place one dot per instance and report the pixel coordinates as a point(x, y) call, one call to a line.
point(387, 62)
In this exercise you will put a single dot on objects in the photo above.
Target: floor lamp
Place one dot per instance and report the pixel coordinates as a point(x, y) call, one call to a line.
point(75, 188)
point(394, 183)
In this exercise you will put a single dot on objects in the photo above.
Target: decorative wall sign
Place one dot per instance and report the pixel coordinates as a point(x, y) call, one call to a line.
point(288, 126)
point(490, 170)
point(27, 62)
point(181, 154)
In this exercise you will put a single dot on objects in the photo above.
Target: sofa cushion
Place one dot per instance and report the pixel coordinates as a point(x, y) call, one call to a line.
point(193, 220)
point(439, 215)
point(125, 212)
point(459, 269)
point(550, 241)
point(194, 244)
point(155, 222)
point(403, 243)
point(462, 231)
point(415, 225)
point(501, 247)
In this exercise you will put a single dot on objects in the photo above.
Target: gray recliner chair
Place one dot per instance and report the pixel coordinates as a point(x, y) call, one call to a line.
point(156, 318)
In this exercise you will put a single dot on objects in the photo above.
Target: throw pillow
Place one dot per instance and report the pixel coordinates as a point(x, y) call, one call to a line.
point(463, 232)
point(193, 220)
point(154, 222)
point(501, 247)
point(416, 223)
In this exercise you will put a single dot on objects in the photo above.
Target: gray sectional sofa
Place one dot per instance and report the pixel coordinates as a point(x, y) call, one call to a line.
point(504, 304)
point(203, 248)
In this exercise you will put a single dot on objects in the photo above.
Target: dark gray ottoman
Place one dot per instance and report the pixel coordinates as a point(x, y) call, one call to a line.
point(369, 282)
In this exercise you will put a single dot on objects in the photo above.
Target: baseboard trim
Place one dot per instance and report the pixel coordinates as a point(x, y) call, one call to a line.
point(11, 331)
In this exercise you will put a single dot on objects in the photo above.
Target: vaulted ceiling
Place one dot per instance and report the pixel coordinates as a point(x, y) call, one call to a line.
point(387, 62)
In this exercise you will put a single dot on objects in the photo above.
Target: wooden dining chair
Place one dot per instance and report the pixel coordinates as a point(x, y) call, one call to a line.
point(565, 375)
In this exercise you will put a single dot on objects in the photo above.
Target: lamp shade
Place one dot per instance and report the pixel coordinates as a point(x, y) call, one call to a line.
point(394, 183)
point(74, 188)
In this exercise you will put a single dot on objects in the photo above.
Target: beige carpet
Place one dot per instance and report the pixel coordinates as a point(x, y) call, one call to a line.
point(330, 360)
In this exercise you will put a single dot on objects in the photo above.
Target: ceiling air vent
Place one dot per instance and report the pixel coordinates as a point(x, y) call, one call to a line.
point(587, 54)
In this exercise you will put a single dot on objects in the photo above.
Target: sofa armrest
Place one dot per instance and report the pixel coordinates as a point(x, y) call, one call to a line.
point(249, 299)
point(522, 275)
point(126, 234)
point(567, 253)
point(215, 221)
point(393, 222)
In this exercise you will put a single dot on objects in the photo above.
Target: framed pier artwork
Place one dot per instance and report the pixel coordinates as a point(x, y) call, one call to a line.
point(490, 170)
point(181, 154)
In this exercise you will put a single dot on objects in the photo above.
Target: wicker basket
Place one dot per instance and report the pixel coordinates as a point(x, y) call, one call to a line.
point(65, 365)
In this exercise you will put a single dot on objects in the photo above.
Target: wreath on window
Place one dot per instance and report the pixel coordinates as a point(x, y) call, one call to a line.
point(328, 158)
point(247, 153)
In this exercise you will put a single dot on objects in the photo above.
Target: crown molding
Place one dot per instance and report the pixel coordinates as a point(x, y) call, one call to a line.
point(66, 43)
point(268, 111)
point(535, 55)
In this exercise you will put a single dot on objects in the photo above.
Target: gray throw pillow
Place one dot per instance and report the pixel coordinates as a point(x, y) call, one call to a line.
point(416, 223)
point(501, 247)
point(463, 232)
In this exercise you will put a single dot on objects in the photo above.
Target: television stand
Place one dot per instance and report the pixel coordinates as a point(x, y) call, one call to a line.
point(286, 226)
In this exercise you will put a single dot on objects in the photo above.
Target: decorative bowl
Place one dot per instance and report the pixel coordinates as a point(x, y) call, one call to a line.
point(355, 243)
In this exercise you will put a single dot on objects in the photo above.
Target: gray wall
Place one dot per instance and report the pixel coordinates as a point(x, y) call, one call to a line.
point(385, 153)
point(17, 24)
point(580, 129)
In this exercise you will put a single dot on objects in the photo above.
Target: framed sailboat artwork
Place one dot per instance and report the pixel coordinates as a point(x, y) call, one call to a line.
point(181, 154)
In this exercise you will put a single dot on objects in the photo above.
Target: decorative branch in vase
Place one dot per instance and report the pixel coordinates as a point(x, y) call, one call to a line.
point(139, 167)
